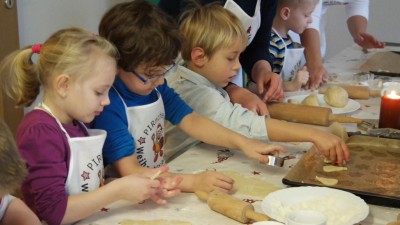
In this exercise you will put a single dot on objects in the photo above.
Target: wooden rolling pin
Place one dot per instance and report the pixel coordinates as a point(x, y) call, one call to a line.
point(315, 115)
point(231, 207)
point(356, 92)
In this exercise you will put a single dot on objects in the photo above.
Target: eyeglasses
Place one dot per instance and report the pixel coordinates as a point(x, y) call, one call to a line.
point(153, 78)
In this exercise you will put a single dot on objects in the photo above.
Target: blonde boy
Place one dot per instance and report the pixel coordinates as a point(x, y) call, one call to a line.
point(214, 39)
point(291, 15)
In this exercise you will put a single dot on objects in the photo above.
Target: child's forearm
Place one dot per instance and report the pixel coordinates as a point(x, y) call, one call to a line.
point(283, 131)
point(208, 131)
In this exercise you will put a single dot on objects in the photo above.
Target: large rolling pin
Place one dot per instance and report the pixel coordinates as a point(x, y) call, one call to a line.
point(356, 92)
point(231, 207)
point(315, 115)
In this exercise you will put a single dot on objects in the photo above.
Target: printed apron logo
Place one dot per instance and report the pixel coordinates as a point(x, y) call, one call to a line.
point(154, 132)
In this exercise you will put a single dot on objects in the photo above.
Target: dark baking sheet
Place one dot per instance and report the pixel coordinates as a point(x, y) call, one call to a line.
point(373, 171)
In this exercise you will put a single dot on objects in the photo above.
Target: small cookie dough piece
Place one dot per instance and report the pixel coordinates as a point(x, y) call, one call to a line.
point(293, 101)
point(331, 168)
point(311, 100)
point(327, 181)
point(336, 96)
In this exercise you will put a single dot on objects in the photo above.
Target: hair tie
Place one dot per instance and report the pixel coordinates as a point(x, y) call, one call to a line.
point(36, 48)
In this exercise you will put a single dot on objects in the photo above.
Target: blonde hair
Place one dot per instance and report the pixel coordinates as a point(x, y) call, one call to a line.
point(211, 28)
point(12, 167)
point(295, 3)
point(66, 51)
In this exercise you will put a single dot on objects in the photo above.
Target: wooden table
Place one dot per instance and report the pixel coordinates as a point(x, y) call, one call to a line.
point(187, 207)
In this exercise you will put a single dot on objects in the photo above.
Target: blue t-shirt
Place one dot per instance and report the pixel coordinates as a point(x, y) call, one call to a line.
point(119, 142)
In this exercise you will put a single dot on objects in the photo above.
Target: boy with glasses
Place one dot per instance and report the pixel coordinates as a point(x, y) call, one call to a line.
point(148, 42)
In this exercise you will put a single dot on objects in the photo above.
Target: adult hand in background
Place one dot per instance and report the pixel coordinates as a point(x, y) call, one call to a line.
point(367, 41)
point(269, 84)
point(317, 75)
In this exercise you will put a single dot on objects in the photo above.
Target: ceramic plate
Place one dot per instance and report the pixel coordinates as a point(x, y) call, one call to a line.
point(341, 207)
point(351, 106)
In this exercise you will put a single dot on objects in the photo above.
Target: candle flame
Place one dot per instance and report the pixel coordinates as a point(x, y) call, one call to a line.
point(393, 95)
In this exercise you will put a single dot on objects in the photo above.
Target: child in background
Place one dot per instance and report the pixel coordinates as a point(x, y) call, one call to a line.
point(76, 70)
point(12, 172)
point(214, 40)
point(149, 41)
point(292, 15)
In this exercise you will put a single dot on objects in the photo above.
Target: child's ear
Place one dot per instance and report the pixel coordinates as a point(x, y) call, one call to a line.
point(285, 13)
point(198, 57)
point(61, 84)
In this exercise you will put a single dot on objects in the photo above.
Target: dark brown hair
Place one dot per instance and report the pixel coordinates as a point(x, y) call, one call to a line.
point(142, 33)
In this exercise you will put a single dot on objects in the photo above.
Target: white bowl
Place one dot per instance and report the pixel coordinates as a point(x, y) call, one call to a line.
point(306, 217)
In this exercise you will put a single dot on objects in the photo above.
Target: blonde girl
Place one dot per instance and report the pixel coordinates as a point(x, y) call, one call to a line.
point(76, 70)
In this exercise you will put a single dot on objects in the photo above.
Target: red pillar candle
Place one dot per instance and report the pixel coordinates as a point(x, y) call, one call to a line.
point(390, 110)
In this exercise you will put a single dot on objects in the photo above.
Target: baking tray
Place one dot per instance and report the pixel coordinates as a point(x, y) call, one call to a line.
point(373, 171)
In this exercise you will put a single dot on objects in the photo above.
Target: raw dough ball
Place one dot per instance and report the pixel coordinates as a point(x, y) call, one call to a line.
point(327, 181)
point(312, 100)
point(336, 96)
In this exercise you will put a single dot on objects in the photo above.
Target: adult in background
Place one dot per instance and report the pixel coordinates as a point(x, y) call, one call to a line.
point(314, 41)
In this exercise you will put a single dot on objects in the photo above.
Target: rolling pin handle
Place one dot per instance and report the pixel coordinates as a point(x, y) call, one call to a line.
point(344, 119)
point(375, 93)
point(256, 216)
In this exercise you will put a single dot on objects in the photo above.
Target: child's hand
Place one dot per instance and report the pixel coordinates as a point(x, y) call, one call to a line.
point(332, 147)
point(137, 188)
point(168, 184)
point(258, 150)
point(302, 77)
point(212, 181)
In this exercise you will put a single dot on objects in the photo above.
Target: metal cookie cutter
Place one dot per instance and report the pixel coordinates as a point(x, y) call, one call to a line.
point(275, 161)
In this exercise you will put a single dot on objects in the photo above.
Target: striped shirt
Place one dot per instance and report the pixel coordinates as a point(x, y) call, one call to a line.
point(277, 50)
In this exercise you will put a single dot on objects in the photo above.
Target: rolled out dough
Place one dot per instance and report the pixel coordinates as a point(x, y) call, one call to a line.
point(249, 186)
point(153, 222)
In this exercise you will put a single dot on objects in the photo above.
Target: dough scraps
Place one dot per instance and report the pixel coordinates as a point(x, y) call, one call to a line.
point(153, 222)
point(250, 186)
point(327, 181)
point(331, 168)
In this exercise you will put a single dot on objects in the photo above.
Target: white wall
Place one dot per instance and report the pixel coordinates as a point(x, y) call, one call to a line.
point(384, 23)
point(38, 19)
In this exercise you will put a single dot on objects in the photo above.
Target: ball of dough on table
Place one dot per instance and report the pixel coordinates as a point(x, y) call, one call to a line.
point(336, 96)
point(311, 99)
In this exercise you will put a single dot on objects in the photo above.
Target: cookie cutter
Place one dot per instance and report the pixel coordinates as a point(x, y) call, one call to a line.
point(275, 161)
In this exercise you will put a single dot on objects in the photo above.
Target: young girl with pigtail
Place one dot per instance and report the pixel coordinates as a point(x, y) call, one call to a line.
point(64, 158)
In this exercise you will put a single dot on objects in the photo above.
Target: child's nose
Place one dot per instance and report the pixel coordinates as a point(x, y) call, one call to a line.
point(106, 101)
point(237, 65)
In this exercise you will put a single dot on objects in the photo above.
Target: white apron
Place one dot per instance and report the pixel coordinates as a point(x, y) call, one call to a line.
point(146, 123)
point(250, 24)
point(86, 170)
point(291, 61)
